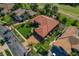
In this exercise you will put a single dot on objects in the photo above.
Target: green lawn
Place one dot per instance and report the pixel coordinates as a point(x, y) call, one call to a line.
point(41, 6)
point(7, 19)
point(69, 20)
point(24, 30)
point(69, 9)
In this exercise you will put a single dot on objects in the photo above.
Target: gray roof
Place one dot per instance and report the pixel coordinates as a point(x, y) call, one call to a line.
point(31, 12)
point(19, 12)
point(1, 37)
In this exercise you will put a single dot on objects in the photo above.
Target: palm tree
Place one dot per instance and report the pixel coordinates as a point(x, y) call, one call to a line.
point(50, 9)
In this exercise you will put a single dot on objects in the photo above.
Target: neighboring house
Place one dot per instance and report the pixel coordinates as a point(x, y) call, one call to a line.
point(5, 8)
point(19, 15)
point(67, 41)
point(46, 26)
point(31, 13)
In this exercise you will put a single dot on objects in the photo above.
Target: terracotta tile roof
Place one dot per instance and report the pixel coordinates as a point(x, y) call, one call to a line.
point(68, 40)
point(46, 24)
point(64, 43)
point(69, 32)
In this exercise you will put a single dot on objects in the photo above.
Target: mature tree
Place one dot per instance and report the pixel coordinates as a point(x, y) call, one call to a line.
point(50, 9)
point(74, 23)
point(21, 5)
point(64, 20)
point(22, 25)
point(54, 10)
point(58, 16)
point(16, 6)
point(25, 6)
point(47, 9)
point(2, 42)
point(34, 7)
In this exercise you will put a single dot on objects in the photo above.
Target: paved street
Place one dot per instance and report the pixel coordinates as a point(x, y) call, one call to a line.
point(14, 45)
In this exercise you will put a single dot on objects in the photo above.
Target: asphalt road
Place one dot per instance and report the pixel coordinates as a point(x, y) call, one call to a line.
point(15, 46)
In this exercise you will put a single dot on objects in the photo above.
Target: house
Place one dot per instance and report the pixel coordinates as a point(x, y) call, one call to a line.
point(5, 8)
point(67, 41)
point(19, 15)
point(31, 13)
point(46, 25)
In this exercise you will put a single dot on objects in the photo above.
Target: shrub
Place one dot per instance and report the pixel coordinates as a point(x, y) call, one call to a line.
point(2, 42)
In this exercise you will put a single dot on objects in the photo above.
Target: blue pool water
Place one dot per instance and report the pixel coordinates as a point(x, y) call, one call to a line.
point(58, 51)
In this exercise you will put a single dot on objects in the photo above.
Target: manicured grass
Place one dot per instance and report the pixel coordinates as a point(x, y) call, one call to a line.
point(69, 20)
point(1, 54)
point(7, 19)
point(7, 52)
point(41, 6)
point(24, 29)
point(69, 9)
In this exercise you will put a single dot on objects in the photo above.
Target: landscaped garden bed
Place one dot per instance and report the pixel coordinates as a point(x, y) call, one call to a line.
point(7, 52)
point(1, 54)
point(2, 42)
point(43, 47)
